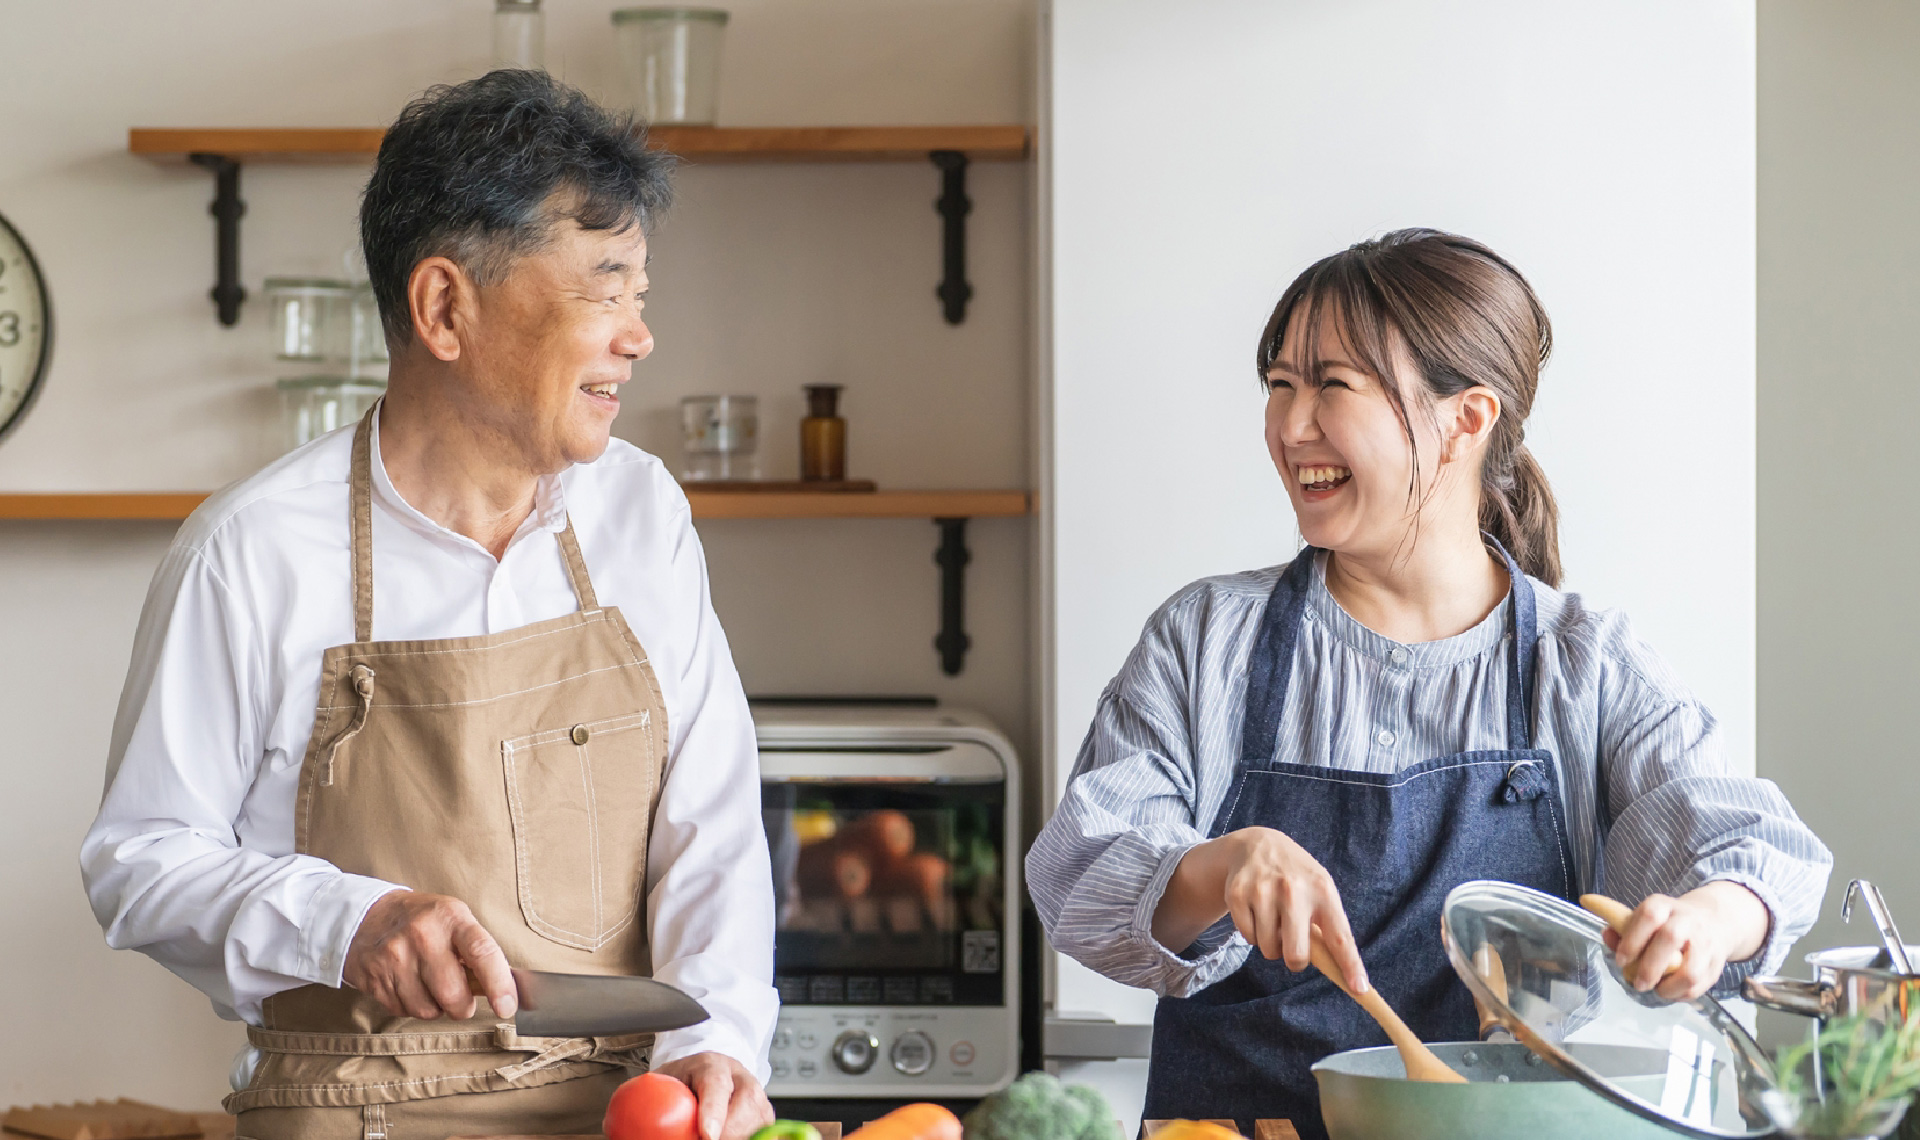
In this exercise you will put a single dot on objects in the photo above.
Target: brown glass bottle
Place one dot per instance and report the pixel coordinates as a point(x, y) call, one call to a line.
point(823, 436)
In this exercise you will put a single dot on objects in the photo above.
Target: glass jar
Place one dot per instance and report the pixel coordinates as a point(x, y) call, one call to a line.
point(823, 436)
point(312, 406)
point(309, 318)
point(722, 435)
point(366, 336)
point(672, 60)
point(519, 35)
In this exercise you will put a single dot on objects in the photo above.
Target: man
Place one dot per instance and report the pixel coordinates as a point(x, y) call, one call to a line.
point(444, 693)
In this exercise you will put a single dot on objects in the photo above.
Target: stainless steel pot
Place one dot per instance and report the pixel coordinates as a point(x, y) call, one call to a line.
point(1511, 1094)
point(1845, 981)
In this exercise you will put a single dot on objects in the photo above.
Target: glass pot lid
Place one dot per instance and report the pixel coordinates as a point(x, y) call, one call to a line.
point(1537, 963)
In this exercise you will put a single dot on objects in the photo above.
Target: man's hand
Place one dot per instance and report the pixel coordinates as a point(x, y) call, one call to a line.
point(419, 955)
point(1678, 947)
point(732, 1103)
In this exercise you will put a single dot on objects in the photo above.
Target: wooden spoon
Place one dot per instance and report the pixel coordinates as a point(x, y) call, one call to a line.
point(1615, 914)
point(1492, 970)
point(1419, 1061)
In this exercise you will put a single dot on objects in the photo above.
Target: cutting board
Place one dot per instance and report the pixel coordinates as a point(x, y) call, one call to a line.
point(829, 1130)
point(103, 1120)
point(1262, 1129)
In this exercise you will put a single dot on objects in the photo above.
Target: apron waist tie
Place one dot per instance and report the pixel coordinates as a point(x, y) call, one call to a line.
point(547, 1051)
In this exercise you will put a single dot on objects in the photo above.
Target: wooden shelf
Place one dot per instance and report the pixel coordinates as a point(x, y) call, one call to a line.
point(854, 505)
point(175, 506)
point(170, 506)
point(1009, 142)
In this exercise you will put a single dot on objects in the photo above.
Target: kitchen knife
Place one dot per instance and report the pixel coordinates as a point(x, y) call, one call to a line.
point(599, 1005)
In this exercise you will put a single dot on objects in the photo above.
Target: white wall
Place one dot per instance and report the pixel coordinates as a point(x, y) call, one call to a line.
point(766, 278)
point(1839, 292)
point(1200, 161)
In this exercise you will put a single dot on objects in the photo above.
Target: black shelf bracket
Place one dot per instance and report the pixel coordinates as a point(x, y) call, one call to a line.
point(226, 210)
point(954, 206)
point(953, 557)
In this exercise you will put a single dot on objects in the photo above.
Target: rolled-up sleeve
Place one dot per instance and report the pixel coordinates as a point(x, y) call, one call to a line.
point(1130, 813)
point(1679, 818)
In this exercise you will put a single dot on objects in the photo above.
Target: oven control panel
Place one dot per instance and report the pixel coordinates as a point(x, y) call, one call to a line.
point(877, 1052)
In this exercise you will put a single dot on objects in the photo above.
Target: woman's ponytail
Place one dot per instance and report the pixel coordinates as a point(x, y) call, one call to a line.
point(1520, 512)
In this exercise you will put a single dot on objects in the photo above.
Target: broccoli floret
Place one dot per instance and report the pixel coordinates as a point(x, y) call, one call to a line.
point(1039, 1107)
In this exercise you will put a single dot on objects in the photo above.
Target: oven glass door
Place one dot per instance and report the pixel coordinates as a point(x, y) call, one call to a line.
point(889, 892)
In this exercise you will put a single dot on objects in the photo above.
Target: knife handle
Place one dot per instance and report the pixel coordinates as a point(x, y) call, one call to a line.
point(480, 990)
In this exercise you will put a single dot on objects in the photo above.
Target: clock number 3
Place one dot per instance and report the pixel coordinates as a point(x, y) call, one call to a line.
point(9, 329)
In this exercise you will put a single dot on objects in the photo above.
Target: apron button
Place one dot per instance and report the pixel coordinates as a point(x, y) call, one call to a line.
point(579, 734)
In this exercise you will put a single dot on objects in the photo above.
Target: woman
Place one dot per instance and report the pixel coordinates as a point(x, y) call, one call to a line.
point(1408, 705)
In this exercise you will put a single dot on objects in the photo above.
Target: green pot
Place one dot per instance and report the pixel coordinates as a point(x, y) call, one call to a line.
point(1365, 1095)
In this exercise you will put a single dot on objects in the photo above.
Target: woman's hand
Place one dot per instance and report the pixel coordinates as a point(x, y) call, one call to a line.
point(1678, 947)
point(1275, 891)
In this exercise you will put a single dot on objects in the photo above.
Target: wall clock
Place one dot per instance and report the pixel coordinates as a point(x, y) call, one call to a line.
point(26, 328)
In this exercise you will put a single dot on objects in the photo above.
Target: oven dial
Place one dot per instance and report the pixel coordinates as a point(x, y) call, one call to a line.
point(912, 1053)
point(854, 1051)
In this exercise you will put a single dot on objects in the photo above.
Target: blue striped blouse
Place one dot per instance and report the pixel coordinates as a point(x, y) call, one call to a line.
point(1160, 757)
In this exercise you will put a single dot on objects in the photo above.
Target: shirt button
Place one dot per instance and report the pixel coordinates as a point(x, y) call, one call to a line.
point(1398, 656)
point(1384, 737)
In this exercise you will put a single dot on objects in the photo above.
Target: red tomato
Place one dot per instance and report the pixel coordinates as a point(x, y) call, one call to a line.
point(652, 1107)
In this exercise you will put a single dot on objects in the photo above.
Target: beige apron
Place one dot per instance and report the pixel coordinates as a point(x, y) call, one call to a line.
point(517, 772)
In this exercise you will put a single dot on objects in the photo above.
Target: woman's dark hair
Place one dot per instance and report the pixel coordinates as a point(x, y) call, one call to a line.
point(1467, 319)
point(480, 173)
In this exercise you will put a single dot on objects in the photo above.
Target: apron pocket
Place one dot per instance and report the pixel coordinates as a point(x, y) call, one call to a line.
point(581, 798)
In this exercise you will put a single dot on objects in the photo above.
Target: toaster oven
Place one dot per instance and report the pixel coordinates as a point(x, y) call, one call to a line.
point(896, 941)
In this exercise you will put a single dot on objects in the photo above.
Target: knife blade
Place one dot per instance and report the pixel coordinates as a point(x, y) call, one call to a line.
point(599, 1005)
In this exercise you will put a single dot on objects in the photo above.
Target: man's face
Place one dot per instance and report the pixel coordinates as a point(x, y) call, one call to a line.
point(552, 341)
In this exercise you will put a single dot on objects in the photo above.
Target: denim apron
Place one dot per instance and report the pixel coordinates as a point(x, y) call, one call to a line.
point(1395, 844)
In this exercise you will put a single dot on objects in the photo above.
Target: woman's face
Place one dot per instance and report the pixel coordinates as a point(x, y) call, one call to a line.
point(1340, 447)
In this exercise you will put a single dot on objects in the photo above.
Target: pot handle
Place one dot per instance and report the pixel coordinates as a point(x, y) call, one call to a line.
point(1790, 995)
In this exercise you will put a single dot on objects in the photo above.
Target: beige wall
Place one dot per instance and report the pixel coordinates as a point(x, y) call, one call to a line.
point(1839, 418)
point(765, 278)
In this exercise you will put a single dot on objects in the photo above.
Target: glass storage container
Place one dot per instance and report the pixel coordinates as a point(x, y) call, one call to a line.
point(672, 60)
point(312, 406)
point(519, 34)
point(309, 318)
point(366, 338)
point(721, 434)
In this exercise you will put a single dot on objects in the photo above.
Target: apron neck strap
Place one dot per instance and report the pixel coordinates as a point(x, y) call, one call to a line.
point(360, 488)
point(1526, 635)
point(360, 485)
point(577, 568)
point(1270, 670)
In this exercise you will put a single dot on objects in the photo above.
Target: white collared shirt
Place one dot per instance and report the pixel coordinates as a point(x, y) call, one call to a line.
point(191, 859)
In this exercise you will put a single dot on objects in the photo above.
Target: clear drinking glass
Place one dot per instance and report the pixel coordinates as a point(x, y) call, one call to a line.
point(722, 434)
point(672, 59)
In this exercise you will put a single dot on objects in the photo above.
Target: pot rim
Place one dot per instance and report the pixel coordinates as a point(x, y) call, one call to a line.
point(1854, 959)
